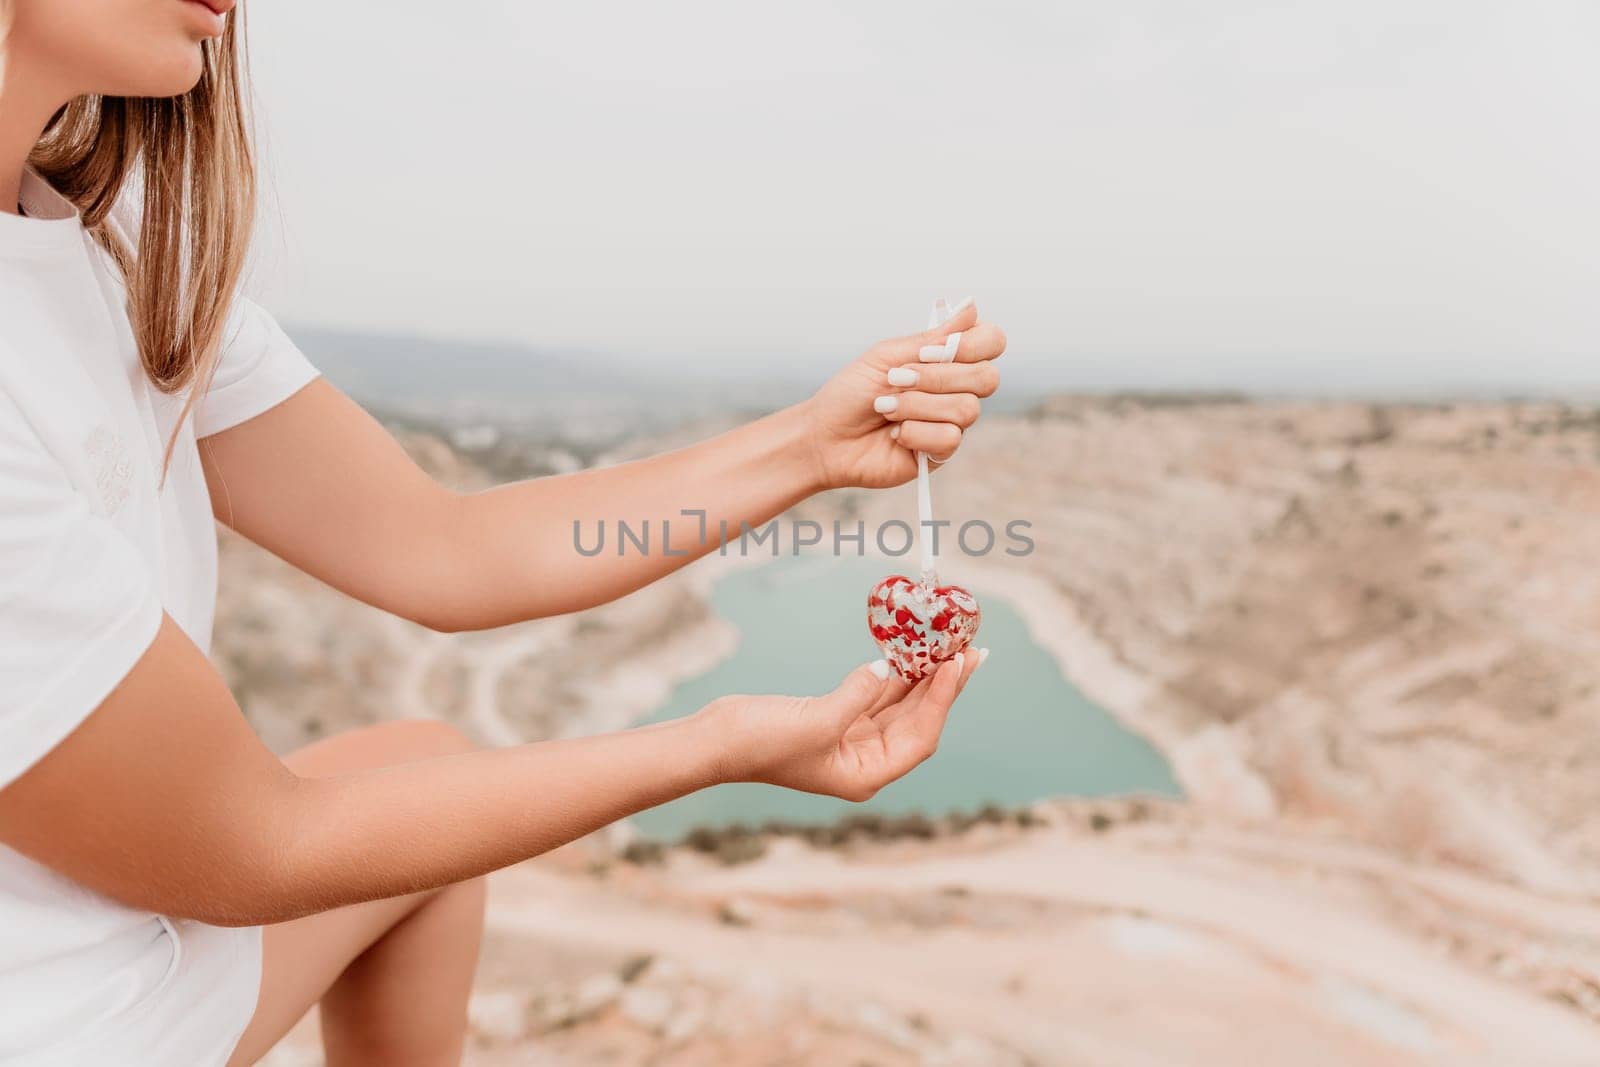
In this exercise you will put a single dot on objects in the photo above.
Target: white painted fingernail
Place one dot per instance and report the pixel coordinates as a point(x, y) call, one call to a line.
point(935, 353)
point(902, 376)
point(894, 432)
point(960, 661)
point(951, 343)
point(983, 654)
point(879, 667)
point(885, 404)
point(958, 309)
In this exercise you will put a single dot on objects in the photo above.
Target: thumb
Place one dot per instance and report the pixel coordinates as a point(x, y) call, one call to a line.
point(858, 693)
point(962, 317)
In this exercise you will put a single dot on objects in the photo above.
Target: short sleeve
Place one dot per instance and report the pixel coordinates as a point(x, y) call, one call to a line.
point(260, 368)
point(78, 605)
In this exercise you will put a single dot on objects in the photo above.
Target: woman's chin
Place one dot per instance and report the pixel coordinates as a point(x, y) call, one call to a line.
point(174, 76)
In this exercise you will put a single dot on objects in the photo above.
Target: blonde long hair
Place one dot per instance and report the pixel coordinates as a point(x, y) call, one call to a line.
point(196, 165)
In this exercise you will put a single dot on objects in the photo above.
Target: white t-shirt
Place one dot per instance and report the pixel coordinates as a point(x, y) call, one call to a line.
point(91, 553)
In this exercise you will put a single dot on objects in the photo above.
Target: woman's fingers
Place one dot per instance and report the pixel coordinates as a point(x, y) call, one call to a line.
point(914, 699)
point(962, 340)
point(914, 734)
point(984, 341)
point(894, 691)
point(859, 693)
point(958, 409)
point(979, 379)
point(945, 401)
point(941, 376)
point(938, 439)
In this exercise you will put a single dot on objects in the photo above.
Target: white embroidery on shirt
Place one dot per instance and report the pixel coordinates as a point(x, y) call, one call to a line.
point(112, 468)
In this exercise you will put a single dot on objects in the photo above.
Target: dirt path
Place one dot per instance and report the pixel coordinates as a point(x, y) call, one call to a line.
point(1116, 951)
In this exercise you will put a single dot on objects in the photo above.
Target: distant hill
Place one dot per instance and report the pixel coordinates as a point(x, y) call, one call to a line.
point(572, 396)
point(400, 367)
point(576, 397)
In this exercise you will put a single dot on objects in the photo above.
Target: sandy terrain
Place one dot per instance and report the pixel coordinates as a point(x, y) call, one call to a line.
point(1107, 935)
point(1364, 637)
point(1381, 617)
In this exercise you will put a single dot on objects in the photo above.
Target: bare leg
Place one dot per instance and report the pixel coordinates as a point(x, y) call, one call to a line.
point(392, 976)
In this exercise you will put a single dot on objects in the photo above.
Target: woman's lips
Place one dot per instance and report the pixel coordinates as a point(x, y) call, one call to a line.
point(219, 7)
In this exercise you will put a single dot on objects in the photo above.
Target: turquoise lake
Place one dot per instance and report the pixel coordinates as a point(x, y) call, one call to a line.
point(1020, 732)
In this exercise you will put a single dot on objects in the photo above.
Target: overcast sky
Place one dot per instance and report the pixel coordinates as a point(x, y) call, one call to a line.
point(1344, 195)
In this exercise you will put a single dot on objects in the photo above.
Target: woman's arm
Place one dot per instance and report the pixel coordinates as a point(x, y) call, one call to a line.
point(323, 485)
point(165, 799)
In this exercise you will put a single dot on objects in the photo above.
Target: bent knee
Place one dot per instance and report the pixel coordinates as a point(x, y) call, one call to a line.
point(400, 741)
point(425, 738)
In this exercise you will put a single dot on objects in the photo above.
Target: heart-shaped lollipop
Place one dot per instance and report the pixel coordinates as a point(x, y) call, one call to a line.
point(920, 626)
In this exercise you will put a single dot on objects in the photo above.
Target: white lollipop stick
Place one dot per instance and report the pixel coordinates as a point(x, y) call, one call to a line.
point(930, 557)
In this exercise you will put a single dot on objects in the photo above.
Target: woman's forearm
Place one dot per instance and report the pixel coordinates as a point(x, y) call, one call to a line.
point(190, 815)
point(322, 484)
point(421, 825)
point(528, 549)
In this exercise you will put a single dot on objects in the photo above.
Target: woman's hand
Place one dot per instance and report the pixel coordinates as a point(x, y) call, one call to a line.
point(850, 743)
point(867, 421)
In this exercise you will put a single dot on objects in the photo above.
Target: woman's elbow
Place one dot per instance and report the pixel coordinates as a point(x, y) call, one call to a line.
point(248, 874)
point(227, 895)
point(442, 617)
point(455, 613)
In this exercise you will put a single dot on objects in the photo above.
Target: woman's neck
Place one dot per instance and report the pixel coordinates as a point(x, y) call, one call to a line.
point(24, 111)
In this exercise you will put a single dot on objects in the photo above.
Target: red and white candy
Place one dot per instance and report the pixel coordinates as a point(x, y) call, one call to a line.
point(917, 626)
